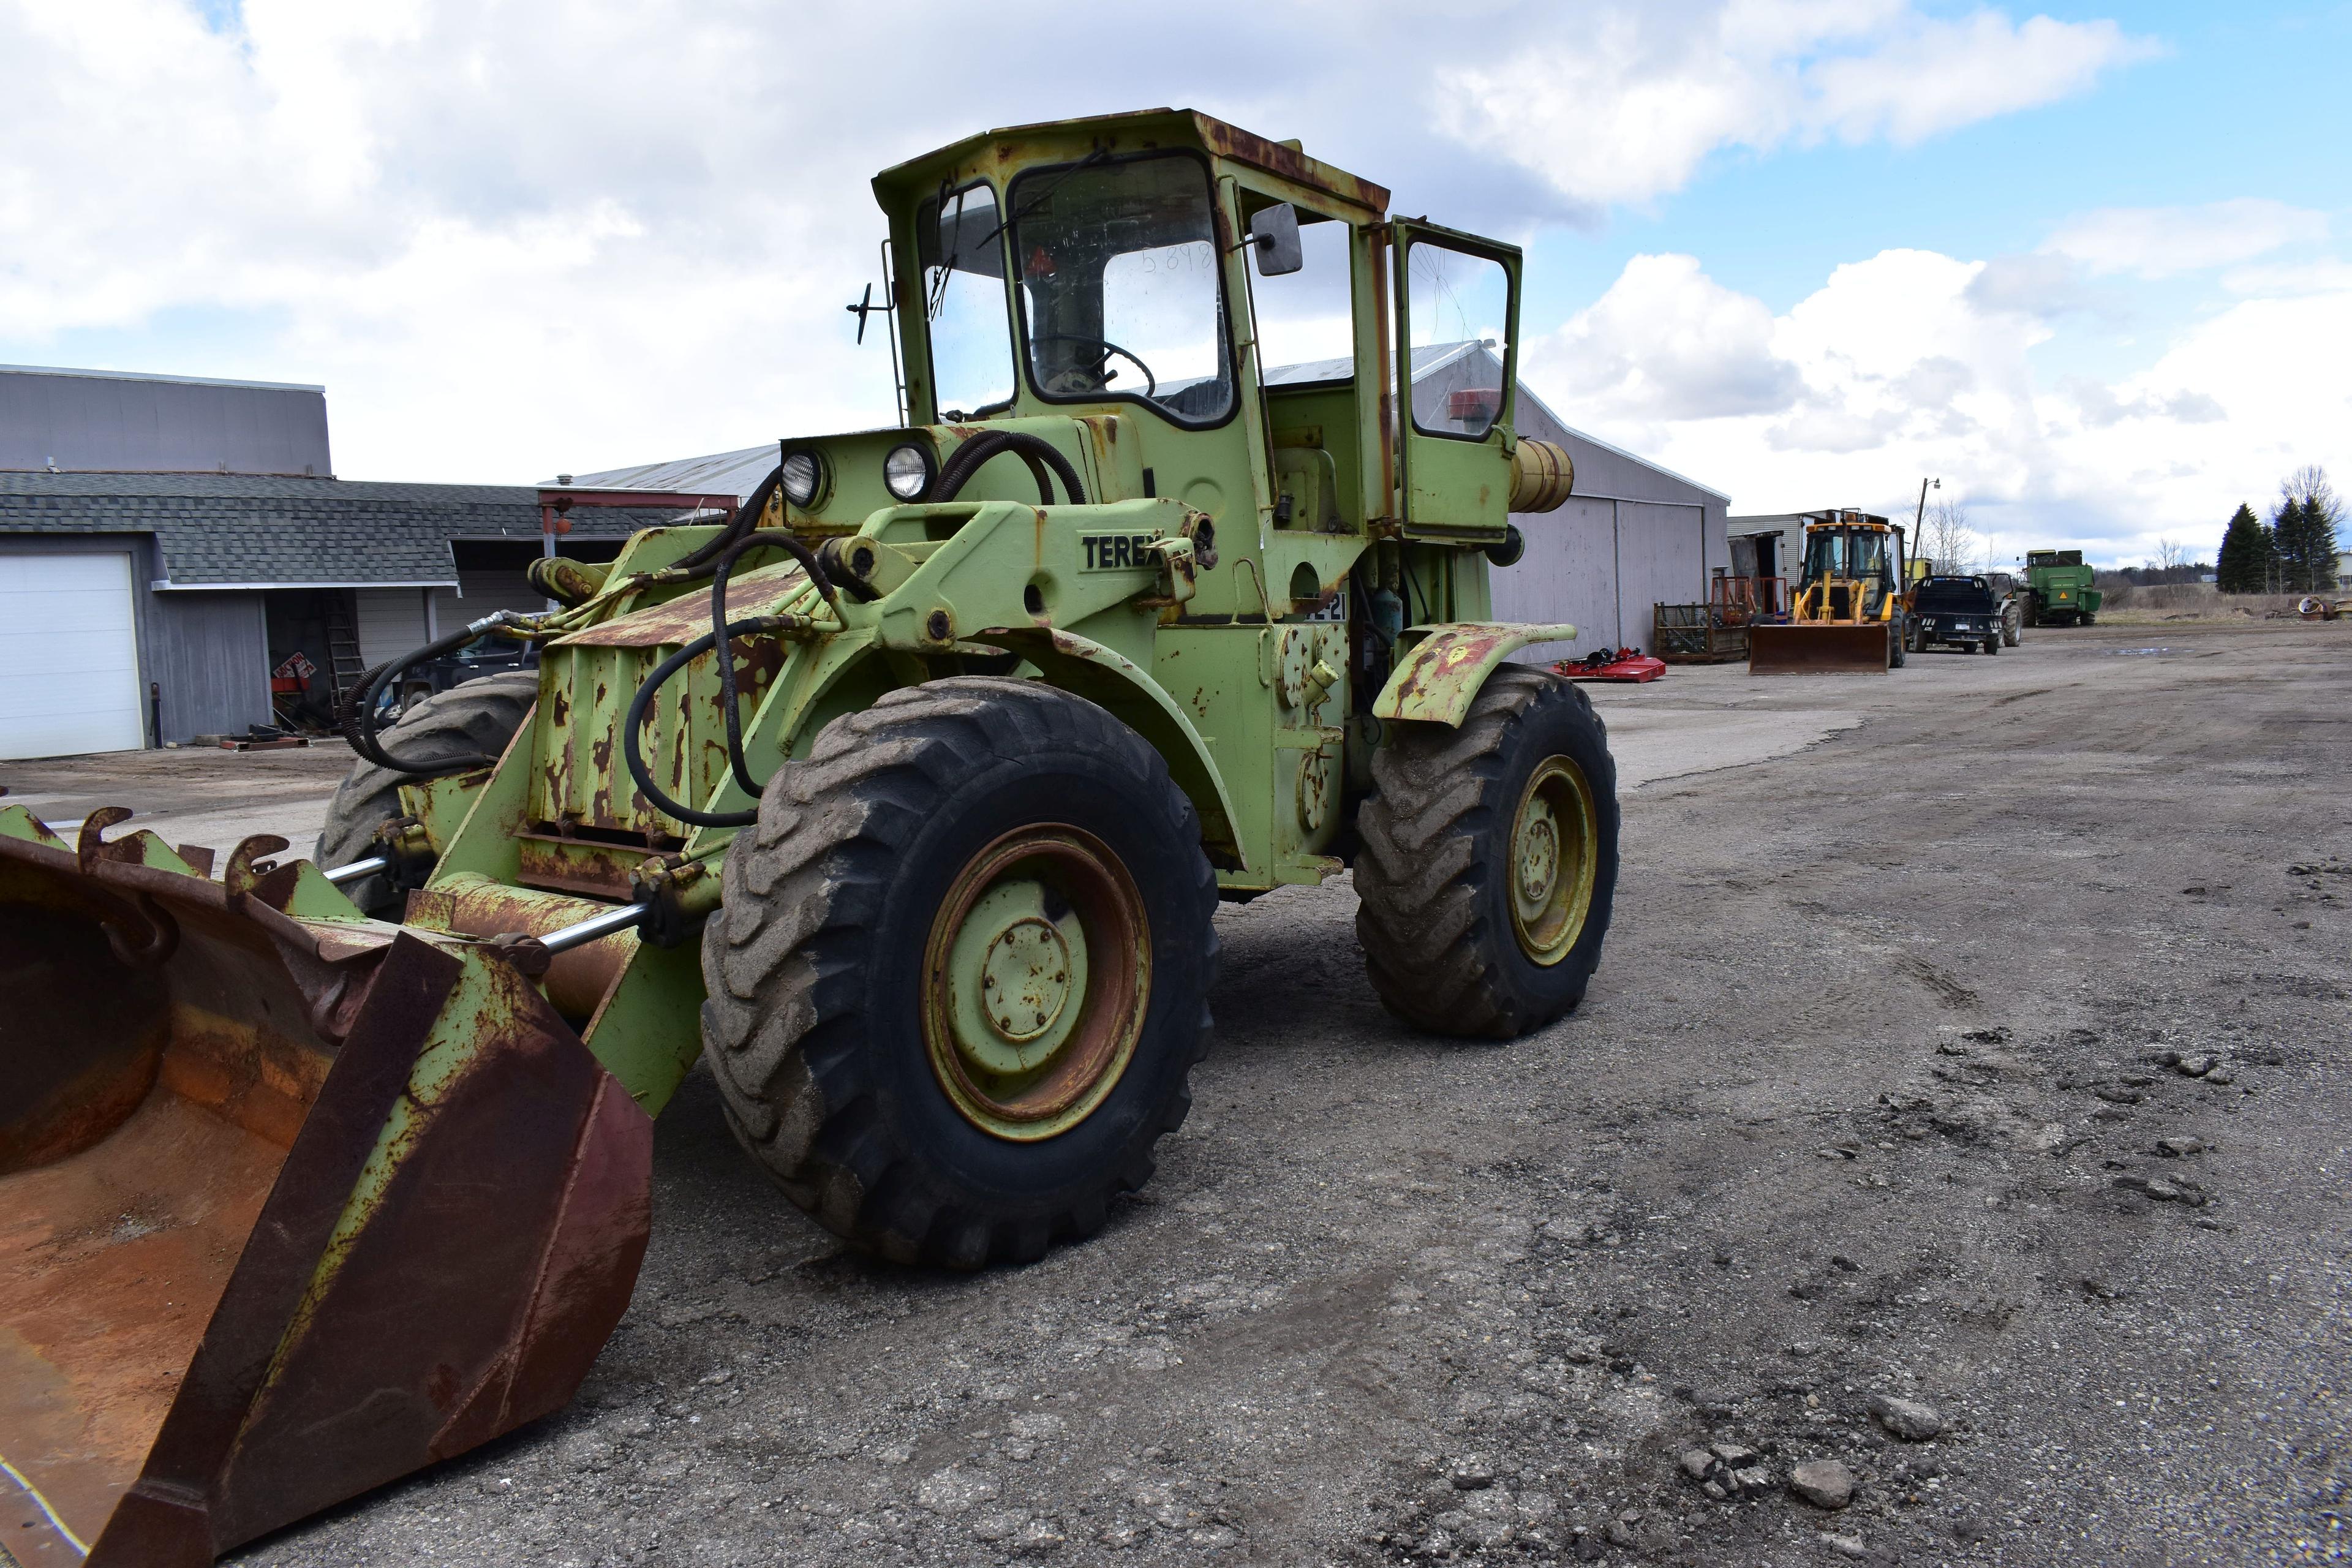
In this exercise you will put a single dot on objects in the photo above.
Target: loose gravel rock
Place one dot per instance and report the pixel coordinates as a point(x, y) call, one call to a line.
point(1907, 1418)
point(1824, 1483)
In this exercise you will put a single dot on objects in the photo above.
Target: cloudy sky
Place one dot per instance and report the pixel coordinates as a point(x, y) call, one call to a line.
point(2088, 264)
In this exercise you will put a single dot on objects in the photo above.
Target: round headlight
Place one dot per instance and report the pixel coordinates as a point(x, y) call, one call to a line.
point(804, 477)
point(907, 470)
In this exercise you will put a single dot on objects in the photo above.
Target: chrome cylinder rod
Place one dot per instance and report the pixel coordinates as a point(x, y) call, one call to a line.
point(359, 868)
point(595, 926)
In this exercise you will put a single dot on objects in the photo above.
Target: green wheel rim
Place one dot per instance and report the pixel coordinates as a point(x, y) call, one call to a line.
point(1035, 980)
point(1554, 858)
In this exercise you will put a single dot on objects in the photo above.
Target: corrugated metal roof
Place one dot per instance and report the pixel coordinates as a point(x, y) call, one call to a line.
point(735, 473)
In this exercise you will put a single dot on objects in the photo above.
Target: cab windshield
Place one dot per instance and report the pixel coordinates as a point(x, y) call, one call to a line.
point(1119, 285)
point(960, 239)
point(1843, 552)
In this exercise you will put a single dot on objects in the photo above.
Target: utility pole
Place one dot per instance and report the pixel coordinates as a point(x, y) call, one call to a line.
point(1919, 518)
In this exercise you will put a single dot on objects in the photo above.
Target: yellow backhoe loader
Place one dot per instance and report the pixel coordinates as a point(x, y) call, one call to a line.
point(1848, 615)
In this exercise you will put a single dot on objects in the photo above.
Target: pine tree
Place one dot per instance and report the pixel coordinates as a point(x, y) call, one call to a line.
point(2303, 525)
point(2240, 567)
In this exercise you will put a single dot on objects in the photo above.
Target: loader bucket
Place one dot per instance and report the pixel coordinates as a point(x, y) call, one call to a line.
point(1815, 648)
point(292, 1202)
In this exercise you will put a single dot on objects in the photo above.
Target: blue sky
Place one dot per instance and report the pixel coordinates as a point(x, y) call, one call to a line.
point(2205, 120)
point(2084, 262)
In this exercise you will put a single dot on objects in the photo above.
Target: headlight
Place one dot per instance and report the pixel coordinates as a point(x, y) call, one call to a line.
point(907, 472)
point(803, 478)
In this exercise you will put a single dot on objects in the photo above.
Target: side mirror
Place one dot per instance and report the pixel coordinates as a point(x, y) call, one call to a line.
point(1273, 235)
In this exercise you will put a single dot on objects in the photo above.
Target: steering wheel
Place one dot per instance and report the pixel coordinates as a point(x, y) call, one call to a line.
point(1150, 382)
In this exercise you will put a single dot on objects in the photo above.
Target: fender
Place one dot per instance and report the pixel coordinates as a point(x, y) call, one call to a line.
point(1440, 678)
point(1102, 674)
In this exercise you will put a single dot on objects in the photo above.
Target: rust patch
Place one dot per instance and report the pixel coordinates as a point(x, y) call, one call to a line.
point(1440, 678)
point(1292, 165)
point(675, 622)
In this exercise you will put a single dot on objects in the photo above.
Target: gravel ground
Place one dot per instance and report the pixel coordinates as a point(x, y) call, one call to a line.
point(1848, 1183)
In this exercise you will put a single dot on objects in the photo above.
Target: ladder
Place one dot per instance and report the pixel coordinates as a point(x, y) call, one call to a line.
point(345, 664)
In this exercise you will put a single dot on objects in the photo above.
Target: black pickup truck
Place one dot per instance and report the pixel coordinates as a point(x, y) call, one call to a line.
point(1960, 612)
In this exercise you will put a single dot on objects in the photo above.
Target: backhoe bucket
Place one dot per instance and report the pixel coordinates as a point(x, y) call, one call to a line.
point(1818, 647)
point(293, 1202)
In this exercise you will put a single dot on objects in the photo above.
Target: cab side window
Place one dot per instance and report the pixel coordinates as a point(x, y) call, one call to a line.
point(1459, 336)
point(1305, 320)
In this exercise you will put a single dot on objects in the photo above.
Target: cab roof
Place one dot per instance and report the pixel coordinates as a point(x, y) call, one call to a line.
point(1137, 130)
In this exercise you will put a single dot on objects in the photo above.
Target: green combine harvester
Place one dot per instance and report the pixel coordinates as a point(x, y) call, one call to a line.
point(905, 795)
point(2058, 591)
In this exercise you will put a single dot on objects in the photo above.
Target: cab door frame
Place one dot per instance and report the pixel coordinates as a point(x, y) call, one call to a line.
point(1451, 485)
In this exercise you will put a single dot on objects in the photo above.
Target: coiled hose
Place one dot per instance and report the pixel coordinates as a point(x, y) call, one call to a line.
point(355, 717)
point(721, 631)
point(1041, 456)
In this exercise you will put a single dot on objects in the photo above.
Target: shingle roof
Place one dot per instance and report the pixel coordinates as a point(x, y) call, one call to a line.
point(220, 528)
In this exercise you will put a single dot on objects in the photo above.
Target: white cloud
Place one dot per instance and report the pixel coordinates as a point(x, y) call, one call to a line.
point(1629, 104)
point(1668, 343)
point(535, 236)
point(2163, 242)
point(1899, 366)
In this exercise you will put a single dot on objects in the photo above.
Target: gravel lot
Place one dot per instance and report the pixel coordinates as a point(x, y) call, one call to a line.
point(1866, 1112)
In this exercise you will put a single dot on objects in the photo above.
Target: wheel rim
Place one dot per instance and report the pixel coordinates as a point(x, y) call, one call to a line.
point(1035, 979)
point(1554, 856)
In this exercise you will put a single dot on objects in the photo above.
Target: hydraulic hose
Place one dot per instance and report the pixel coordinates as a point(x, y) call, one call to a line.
point(1038, 453)
point(727, 703)
point(635, 756)
point(747, 517)
point(356, 718)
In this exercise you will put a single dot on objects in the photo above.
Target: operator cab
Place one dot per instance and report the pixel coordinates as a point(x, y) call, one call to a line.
point(1850, 557)
point(1235, 323)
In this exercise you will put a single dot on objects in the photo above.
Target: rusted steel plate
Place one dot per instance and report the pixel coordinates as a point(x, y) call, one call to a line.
point(675, 621)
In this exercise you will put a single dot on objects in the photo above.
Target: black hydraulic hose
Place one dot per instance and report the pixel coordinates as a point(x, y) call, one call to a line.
point(747, 517)
point(1037, 452)
point(635, 756)
point(726, 704)
point(357, 718)
point(721, 631)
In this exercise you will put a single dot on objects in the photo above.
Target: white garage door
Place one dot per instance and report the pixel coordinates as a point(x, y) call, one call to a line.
point(69, 656)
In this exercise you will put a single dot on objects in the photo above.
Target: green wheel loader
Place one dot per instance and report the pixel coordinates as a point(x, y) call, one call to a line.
point(905, 794)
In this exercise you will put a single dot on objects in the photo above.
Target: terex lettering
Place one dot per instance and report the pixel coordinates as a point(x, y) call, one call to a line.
point(1115, 552)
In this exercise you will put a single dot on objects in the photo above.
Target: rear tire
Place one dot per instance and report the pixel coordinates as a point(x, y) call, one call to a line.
point(1447, 921)
point(476, 716)
point(897, 891)
point(1992, 645)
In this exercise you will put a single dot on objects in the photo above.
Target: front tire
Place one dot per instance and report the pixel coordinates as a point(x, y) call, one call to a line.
point(960, 977)
point(1489, 861)
point(1898, 646)
point(477, 716)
